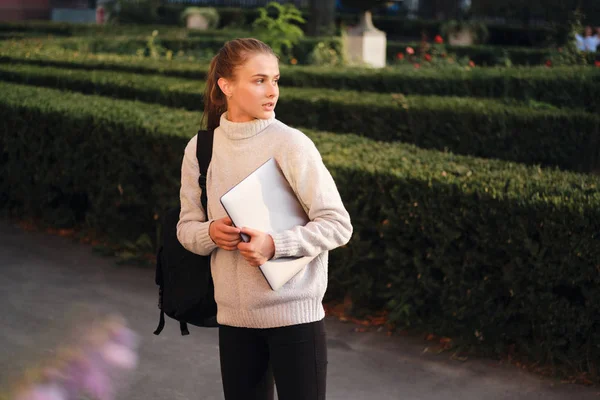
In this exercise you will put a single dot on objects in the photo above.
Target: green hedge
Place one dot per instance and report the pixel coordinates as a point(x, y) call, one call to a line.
point(489, 252)
point(575, 87)
point(181, 39)
point(206, 45)
point(485, 55)
point(480, 127)
point(396, 28)
point(65, 29)
point(481, 55)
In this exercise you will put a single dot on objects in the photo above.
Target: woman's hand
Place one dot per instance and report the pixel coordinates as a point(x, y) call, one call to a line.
point(224, 234)
point(259, 249)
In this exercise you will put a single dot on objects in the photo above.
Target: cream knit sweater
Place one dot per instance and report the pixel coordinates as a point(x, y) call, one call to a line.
point(244, 298)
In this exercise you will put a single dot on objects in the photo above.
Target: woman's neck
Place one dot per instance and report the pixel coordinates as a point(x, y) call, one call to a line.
point(235, 130)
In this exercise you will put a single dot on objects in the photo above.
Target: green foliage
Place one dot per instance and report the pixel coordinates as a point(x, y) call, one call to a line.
point(504, 129)
point(197, 42)
point(325, 54)
point(133, 12)
point(575, 87)
point(136, 251)
point(487, 55)
point(492, 253)
point(569, 54)
point(153, 48)
point(395, 27)
point(280, 32)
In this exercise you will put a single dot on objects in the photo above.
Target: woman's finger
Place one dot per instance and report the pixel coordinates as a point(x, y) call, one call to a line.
point(230, 241)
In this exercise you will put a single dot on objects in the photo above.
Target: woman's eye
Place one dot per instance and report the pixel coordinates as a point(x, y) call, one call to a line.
point(276, 81)
point(260, 81)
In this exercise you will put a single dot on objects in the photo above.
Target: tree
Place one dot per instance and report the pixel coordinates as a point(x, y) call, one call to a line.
point(322, 18)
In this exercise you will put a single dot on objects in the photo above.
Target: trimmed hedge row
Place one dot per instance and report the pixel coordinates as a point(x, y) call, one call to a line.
point(481, 55)
point(490, 252)
point(209, 45)
point(486, 55)
point(499, 34)
point(479, 127)
point(214, 40)
point(575, 87)
point(395, 27)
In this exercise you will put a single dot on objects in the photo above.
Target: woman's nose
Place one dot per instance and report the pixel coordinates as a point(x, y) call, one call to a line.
point(273, 90)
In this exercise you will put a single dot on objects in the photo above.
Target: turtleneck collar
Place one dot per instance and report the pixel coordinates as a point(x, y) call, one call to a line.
point(243, 130)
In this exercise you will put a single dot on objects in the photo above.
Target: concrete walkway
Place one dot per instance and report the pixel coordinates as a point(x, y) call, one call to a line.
point(46, 281)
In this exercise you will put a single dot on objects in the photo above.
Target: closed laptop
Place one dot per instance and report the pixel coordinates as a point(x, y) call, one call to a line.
point(265, 201)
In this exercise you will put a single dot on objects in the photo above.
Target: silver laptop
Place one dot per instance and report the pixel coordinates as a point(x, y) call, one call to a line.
point(265, 201)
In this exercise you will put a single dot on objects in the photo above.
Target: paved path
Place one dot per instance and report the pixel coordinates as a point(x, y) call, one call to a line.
point(45, 280)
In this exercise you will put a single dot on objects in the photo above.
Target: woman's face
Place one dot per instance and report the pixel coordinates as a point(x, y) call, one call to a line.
point(588, 31)
point(254, 91)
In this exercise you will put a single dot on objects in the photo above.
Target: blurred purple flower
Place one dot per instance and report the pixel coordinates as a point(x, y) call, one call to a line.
point(43, 392)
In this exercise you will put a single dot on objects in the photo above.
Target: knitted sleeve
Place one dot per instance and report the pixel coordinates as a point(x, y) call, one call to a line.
point(192, 228)
point(329, 225)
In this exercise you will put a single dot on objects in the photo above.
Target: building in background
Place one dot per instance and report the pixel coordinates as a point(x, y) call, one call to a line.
point(58, 10)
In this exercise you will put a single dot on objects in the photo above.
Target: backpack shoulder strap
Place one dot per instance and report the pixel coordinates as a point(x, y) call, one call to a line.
point(204, 146)
point(204, 154)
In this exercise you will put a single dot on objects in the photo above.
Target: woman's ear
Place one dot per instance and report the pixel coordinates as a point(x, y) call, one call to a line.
point(225, 86)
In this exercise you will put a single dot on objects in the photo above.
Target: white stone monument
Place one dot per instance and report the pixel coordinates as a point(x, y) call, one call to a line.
point(197, 21)
point(366, 44)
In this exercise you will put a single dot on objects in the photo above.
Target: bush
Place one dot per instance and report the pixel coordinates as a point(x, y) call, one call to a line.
point(574, 87)
point(484, 55)
point(124, 45)
point(479, 127)
point(401, 28)
point(491, 253)
point(134, 12)
point(481, 55)
point(325, 54)
point(396, 28)
point(280, 32)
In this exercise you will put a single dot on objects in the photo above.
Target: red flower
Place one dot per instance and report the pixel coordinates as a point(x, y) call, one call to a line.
point(548, 63)
point(428, 57)
point(471, 64)
point(438, 39)
point(597, 64)
point(400, 56)
point(417, 66)
point(410, 50)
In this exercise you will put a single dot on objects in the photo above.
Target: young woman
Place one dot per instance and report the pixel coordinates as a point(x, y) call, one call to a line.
point(260, 327)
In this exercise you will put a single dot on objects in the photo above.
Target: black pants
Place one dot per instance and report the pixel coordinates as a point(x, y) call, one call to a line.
point(295, 356)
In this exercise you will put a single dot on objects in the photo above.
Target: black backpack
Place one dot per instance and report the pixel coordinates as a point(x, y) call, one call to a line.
point(186, 289)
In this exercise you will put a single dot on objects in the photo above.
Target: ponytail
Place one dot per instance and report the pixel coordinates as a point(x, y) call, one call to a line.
point(215, 103)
